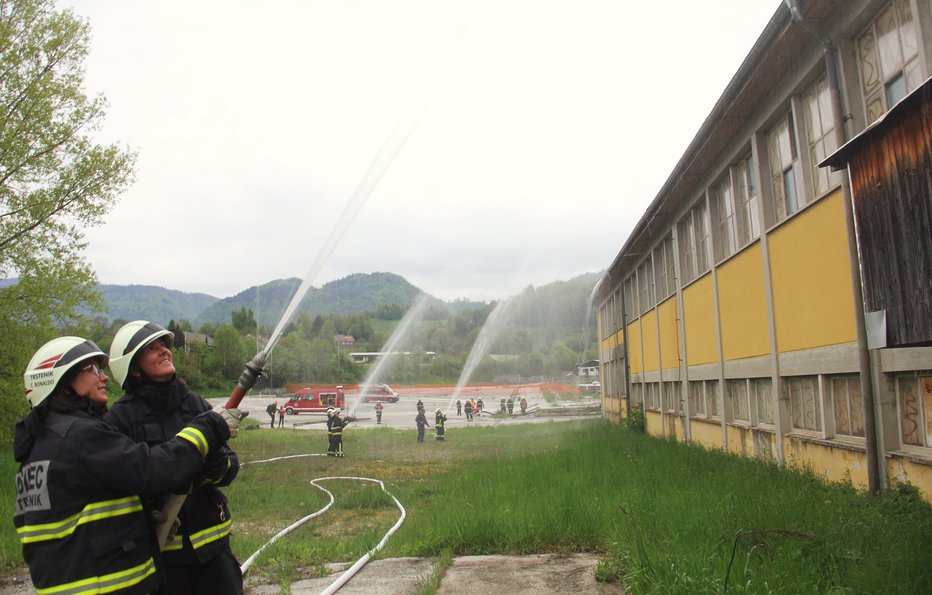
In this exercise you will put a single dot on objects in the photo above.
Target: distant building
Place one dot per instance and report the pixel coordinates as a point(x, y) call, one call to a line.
point(503, 357)
point(190, 338)
point(344, 340)
point(368, 357)
point(588, 369)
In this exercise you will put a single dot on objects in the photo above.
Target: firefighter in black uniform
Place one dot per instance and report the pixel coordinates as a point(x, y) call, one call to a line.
point(439, 418)
point(331, 444)
point(78, 513)
point(337, 426)
point(155, 404)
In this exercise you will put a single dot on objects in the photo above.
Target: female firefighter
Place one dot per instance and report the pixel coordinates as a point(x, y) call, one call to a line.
point(78, 513)
point(155, 404)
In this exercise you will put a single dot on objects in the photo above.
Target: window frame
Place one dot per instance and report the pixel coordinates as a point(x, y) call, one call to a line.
point(734, 400)
point(850, 380)
point(868, 50)
point(697, 401)
point(782, 207)
point(820, 136)
point(922, 392)
point(817, 410)
point(694, 236)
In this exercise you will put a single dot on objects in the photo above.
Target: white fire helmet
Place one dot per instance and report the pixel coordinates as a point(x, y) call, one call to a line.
point(53, 360)
point(330, 411)
point(132, 337)
point(438, 411)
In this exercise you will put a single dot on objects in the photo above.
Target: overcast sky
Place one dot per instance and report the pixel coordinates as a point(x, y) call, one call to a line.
point(541, 131)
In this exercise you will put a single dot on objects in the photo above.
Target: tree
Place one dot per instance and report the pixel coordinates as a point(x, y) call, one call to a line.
point(244, 320)
point(54, 182)
point(229, 352)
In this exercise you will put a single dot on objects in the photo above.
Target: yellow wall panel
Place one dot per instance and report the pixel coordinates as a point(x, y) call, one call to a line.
point(833, 464)
point(669, 337)
point(699, 323)
point(813, 304)
point(743, 306)
point(706, 433)
point(652, 420)
point(634, 347)
point(917, 474)
point(620, 338)
point(650, 340)
point(680, 429)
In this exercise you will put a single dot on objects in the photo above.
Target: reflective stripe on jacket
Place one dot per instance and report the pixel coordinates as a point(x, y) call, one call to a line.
point(152, 414)
point(81, 527)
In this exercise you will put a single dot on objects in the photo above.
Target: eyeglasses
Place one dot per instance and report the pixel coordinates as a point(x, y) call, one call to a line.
point(93, 369)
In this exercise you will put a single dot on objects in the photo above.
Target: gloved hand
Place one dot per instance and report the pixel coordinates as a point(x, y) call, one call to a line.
point(232, 417)
point(159, 518)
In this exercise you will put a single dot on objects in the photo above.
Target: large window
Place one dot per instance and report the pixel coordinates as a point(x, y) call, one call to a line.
point(736, 393)
point(723, 202)
point(847, 405)
point(645, 287)
point(664, 269)
point(696, 399)
point(914, 398)
point(671, 397)
point(784, 161)
point(694, 242)
point(820, 128)
point(711, 398)
point(734, 208)
point(804, 400)
point(746, 195)
point(888, 58)
point(652, 395)
point(761, 391)
point(630, 313)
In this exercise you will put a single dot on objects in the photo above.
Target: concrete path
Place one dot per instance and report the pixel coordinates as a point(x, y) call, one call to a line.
point(536, 574)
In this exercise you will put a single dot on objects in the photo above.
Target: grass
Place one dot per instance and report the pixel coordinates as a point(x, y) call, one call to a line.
point(665, 517)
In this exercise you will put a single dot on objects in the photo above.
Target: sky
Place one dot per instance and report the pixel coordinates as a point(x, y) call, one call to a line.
point(473, 147)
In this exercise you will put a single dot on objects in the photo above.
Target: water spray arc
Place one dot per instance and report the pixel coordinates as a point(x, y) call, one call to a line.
point(488, 334)
point(253, 369)
point(412, 316)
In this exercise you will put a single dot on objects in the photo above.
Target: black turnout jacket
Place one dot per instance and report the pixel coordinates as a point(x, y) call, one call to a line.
point(78, 511)
point(151, 414)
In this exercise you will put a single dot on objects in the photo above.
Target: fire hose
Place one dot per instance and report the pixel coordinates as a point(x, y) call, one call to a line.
point(352, 570)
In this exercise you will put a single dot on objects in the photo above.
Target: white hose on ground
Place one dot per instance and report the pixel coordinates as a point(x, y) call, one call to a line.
point(352, 570)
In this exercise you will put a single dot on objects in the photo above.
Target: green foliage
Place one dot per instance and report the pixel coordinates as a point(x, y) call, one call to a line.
point(229, 352)
point(635, 419)
point(244, 320)
point(54, 183)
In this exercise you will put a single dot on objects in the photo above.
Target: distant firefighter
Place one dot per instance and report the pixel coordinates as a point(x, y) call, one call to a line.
point(421, 421)
point(439, 418)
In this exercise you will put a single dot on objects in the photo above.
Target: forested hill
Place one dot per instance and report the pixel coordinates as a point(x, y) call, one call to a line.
point(149, 302)
point(558, 305)
point(353, 294)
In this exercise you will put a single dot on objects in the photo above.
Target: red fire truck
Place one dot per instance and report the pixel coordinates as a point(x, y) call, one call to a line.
point(315, 400)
